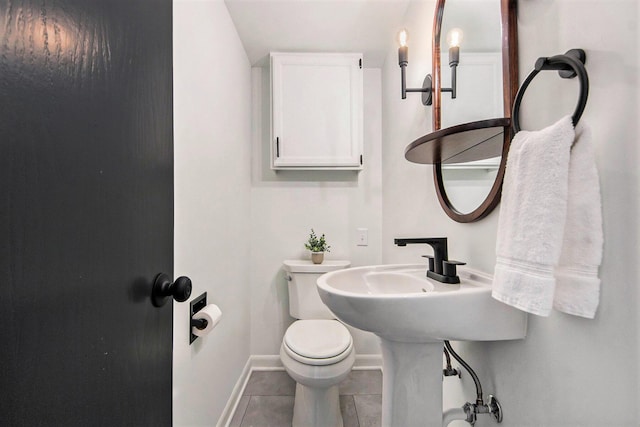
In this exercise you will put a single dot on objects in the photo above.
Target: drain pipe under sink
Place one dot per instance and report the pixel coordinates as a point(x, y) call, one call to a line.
point(470, 411)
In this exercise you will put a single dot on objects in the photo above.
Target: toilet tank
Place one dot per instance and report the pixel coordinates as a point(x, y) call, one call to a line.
point(304, 300)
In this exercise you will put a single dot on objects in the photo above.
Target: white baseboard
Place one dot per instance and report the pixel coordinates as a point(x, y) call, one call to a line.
point(369, 362)
point(266, 362)
point(270, 362)
point(236, 394)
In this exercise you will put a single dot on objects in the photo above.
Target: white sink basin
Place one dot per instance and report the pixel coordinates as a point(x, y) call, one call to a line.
point(413, 315)
point(399, 303)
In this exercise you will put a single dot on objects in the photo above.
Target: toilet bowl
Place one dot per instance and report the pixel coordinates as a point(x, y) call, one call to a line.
point(317, 350)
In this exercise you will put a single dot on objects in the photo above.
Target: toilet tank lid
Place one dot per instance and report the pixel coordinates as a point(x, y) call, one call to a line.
point(306, 266)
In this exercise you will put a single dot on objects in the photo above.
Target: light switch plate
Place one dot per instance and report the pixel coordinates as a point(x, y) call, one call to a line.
point(363, 237)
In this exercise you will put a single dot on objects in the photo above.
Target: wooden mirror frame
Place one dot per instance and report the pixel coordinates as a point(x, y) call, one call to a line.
point(508, 13)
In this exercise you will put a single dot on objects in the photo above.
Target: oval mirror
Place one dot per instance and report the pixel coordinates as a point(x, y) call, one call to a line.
point(469, 184)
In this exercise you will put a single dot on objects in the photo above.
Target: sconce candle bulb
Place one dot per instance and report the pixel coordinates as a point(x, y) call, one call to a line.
point(403, 50)
point(403, 37)
point(455, 37)
point(403, 59)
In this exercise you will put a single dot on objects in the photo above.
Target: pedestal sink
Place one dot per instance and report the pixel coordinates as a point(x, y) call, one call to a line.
point(413, 315)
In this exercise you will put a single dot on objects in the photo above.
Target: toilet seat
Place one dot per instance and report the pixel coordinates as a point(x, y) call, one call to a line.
point(318, 342)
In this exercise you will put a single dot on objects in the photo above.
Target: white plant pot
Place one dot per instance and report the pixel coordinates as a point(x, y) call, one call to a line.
point(317, 257)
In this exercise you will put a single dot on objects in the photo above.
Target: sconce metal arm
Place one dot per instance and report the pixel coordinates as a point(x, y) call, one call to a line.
point(425, 89)
point(427, 84)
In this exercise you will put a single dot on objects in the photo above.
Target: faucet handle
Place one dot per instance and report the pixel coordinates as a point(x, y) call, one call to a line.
point(431, 261)
point(449, 267)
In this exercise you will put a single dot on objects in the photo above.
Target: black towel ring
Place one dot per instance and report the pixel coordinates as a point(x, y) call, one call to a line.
point(568, 65)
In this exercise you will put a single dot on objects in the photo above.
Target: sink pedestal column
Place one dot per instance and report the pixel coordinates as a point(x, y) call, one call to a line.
point(412, 384)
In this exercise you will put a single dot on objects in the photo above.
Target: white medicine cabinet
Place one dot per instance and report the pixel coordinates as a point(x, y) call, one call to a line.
point(316, 111)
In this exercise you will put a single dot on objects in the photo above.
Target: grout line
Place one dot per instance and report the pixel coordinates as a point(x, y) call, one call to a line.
point(245, 411)
point(355, 408)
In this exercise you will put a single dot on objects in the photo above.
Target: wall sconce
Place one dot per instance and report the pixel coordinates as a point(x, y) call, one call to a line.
point(454, 38)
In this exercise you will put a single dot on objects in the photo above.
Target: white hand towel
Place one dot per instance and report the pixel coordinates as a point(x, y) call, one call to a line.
point(532, 217)
point(550, 233)
point(578, 285)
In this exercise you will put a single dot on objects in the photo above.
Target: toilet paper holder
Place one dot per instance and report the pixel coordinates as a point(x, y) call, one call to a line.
point(199, 323)
point(195, 306)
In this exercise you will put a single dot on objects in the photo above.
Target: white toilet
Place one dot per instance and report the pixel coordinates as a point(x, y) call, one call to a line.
point(317, 350)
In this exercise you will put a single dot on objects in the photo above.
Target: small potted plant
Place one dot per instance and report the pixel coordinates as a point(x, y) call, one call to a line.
point(317, 246)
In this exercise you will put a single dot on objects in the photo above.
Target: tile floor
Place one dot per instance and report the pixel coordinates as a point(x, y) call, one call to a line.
point(268, 400)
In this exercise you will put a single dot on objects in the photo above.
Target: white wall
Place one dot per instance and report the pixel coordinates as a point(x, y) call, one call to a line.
point(212, 80)
point(285, 205)
point(568, 371)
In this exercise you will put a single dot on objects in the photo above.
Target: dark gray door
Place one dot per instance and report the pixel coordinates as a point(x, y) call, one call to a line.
point(86, 212)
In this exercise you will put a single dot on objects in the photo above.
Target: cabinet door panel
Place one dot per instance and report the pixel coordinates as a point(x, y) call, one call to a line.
point(317, 111)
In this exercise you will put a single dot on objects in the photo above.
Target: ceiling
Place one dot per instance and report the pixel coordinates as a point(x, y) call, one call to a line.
point(363, 26)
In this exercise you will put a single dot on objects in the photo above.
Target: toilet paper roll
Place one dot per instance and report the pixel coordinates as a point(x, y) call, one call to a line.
point(212, 314)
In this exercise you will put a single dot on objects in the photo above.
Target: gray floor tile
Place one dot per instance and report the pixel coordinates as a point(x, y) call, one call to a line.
point(369, 409)
point(270, 383)
point(268, 411)
point(362, 382)
point(348, 409)
point(269, 395)
point(236, 421)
